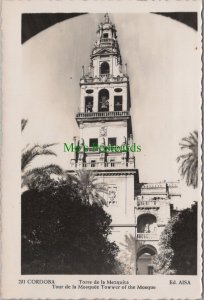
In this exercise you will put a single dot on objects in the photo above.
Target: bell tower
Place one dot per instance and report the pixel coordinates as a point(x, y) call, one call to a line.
point(104, 119)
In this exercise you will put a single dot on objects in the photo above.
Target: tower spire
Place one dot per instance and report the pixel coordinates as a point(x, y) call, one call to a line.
point(106, 18)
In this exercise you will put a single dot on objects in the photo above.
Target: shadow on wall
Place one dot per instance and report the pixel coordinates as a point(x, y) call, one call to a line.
point(128, 252)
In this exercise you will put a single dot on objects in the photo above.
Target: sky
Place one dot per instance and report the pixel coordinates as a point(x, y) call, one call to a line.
point(163, 66)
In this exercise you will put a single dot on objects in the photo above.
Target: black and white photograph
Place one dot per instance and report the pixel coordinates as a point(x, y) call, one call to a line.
point(108, 115)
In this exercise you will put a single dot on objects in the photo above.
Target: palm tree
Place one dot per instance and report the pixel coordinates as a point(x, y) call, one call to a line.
point(89, 189)
point(28, 155)
point(189, 160)
point(30, 152)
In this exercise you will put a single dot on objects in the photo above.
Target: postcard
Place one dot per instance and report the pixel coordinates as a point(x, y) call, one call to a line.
point(101, 149)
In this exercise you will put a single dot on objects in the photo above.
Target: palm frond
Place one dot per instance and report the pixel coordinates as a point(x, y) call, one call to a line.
point(189, 161)
point(89, 186)
point(23, 124)
point(48, 145)
point(36, 150)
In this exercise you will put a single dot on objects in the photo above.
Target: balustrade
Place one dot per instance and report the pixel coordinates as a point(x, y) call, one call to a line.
point(103, 114)
point(147, 203)
point(106, 40)
point(147, 236)
point(103, 165)
point(105, 78)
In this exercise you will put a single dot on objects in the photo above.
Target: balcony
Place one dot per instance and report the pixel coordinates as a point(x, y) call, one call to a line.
point(147, 236)
point(103, 165)
point(160, 189)
point(102, 115)
point(103, 79)
point(107, 40)
point(147, 203)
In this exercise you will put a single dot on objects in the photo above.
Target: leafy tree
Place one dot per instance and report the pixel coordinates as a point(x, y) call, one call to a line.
point(63, 235)
point(89, 187)
point(189, 160)
point(178, 244)
point(40, 178)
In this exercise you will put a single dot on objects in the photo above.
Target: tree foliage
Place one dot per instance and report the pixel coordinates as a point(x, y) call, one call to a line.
point(90, 189)
point(64, 227)
point(189, 160)
point(63, 235)
point(29, 153)
point(40, 178)
point(178, 244)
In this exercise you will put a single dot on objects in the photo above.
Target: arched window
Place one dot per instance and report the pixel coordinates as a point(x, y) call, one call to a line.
point(88, 104)
point(103, 100)
point(118, 103)
point(104, 69)
point(146, 223)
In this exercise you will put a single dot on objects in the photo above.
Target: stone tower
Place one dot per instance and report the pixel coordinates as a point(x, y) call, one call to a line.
point(139, 211)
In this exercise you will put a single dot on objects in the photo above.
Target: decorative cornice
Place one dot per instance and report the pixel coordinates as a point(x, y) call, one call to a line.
point(106, 172)
point(103, 80)
point(116, 172)
point(123, 225)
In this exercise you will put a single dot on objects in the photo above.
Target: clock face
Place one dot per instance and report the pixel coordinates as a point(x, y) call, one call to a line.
point(103, 131)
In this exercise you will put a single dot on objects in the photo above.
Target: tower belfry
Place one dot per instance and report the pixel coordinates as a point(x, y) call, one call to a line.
point(139, 211)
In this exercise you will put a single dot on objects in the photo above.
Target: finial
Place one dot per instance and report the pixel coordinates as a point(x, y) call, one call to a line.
point(74, 138)
point(126, 68)
point(82, 71)
point(106, 17)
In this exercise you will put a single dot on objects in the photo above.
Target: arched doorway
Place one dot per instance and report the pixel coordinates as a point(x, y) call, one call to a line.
point(144, 261)
point(103, 100)
point(105, 68)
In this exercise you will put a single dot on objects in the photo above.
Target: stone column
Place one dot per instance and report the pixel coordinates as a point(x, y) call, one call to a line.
point(82, 100)
point(95, 99)
point(124, 94)
point(111, 98)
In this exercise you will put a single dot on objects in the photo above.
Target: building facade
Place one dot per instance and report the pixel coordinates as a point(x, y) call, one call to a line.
point(139, 211)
